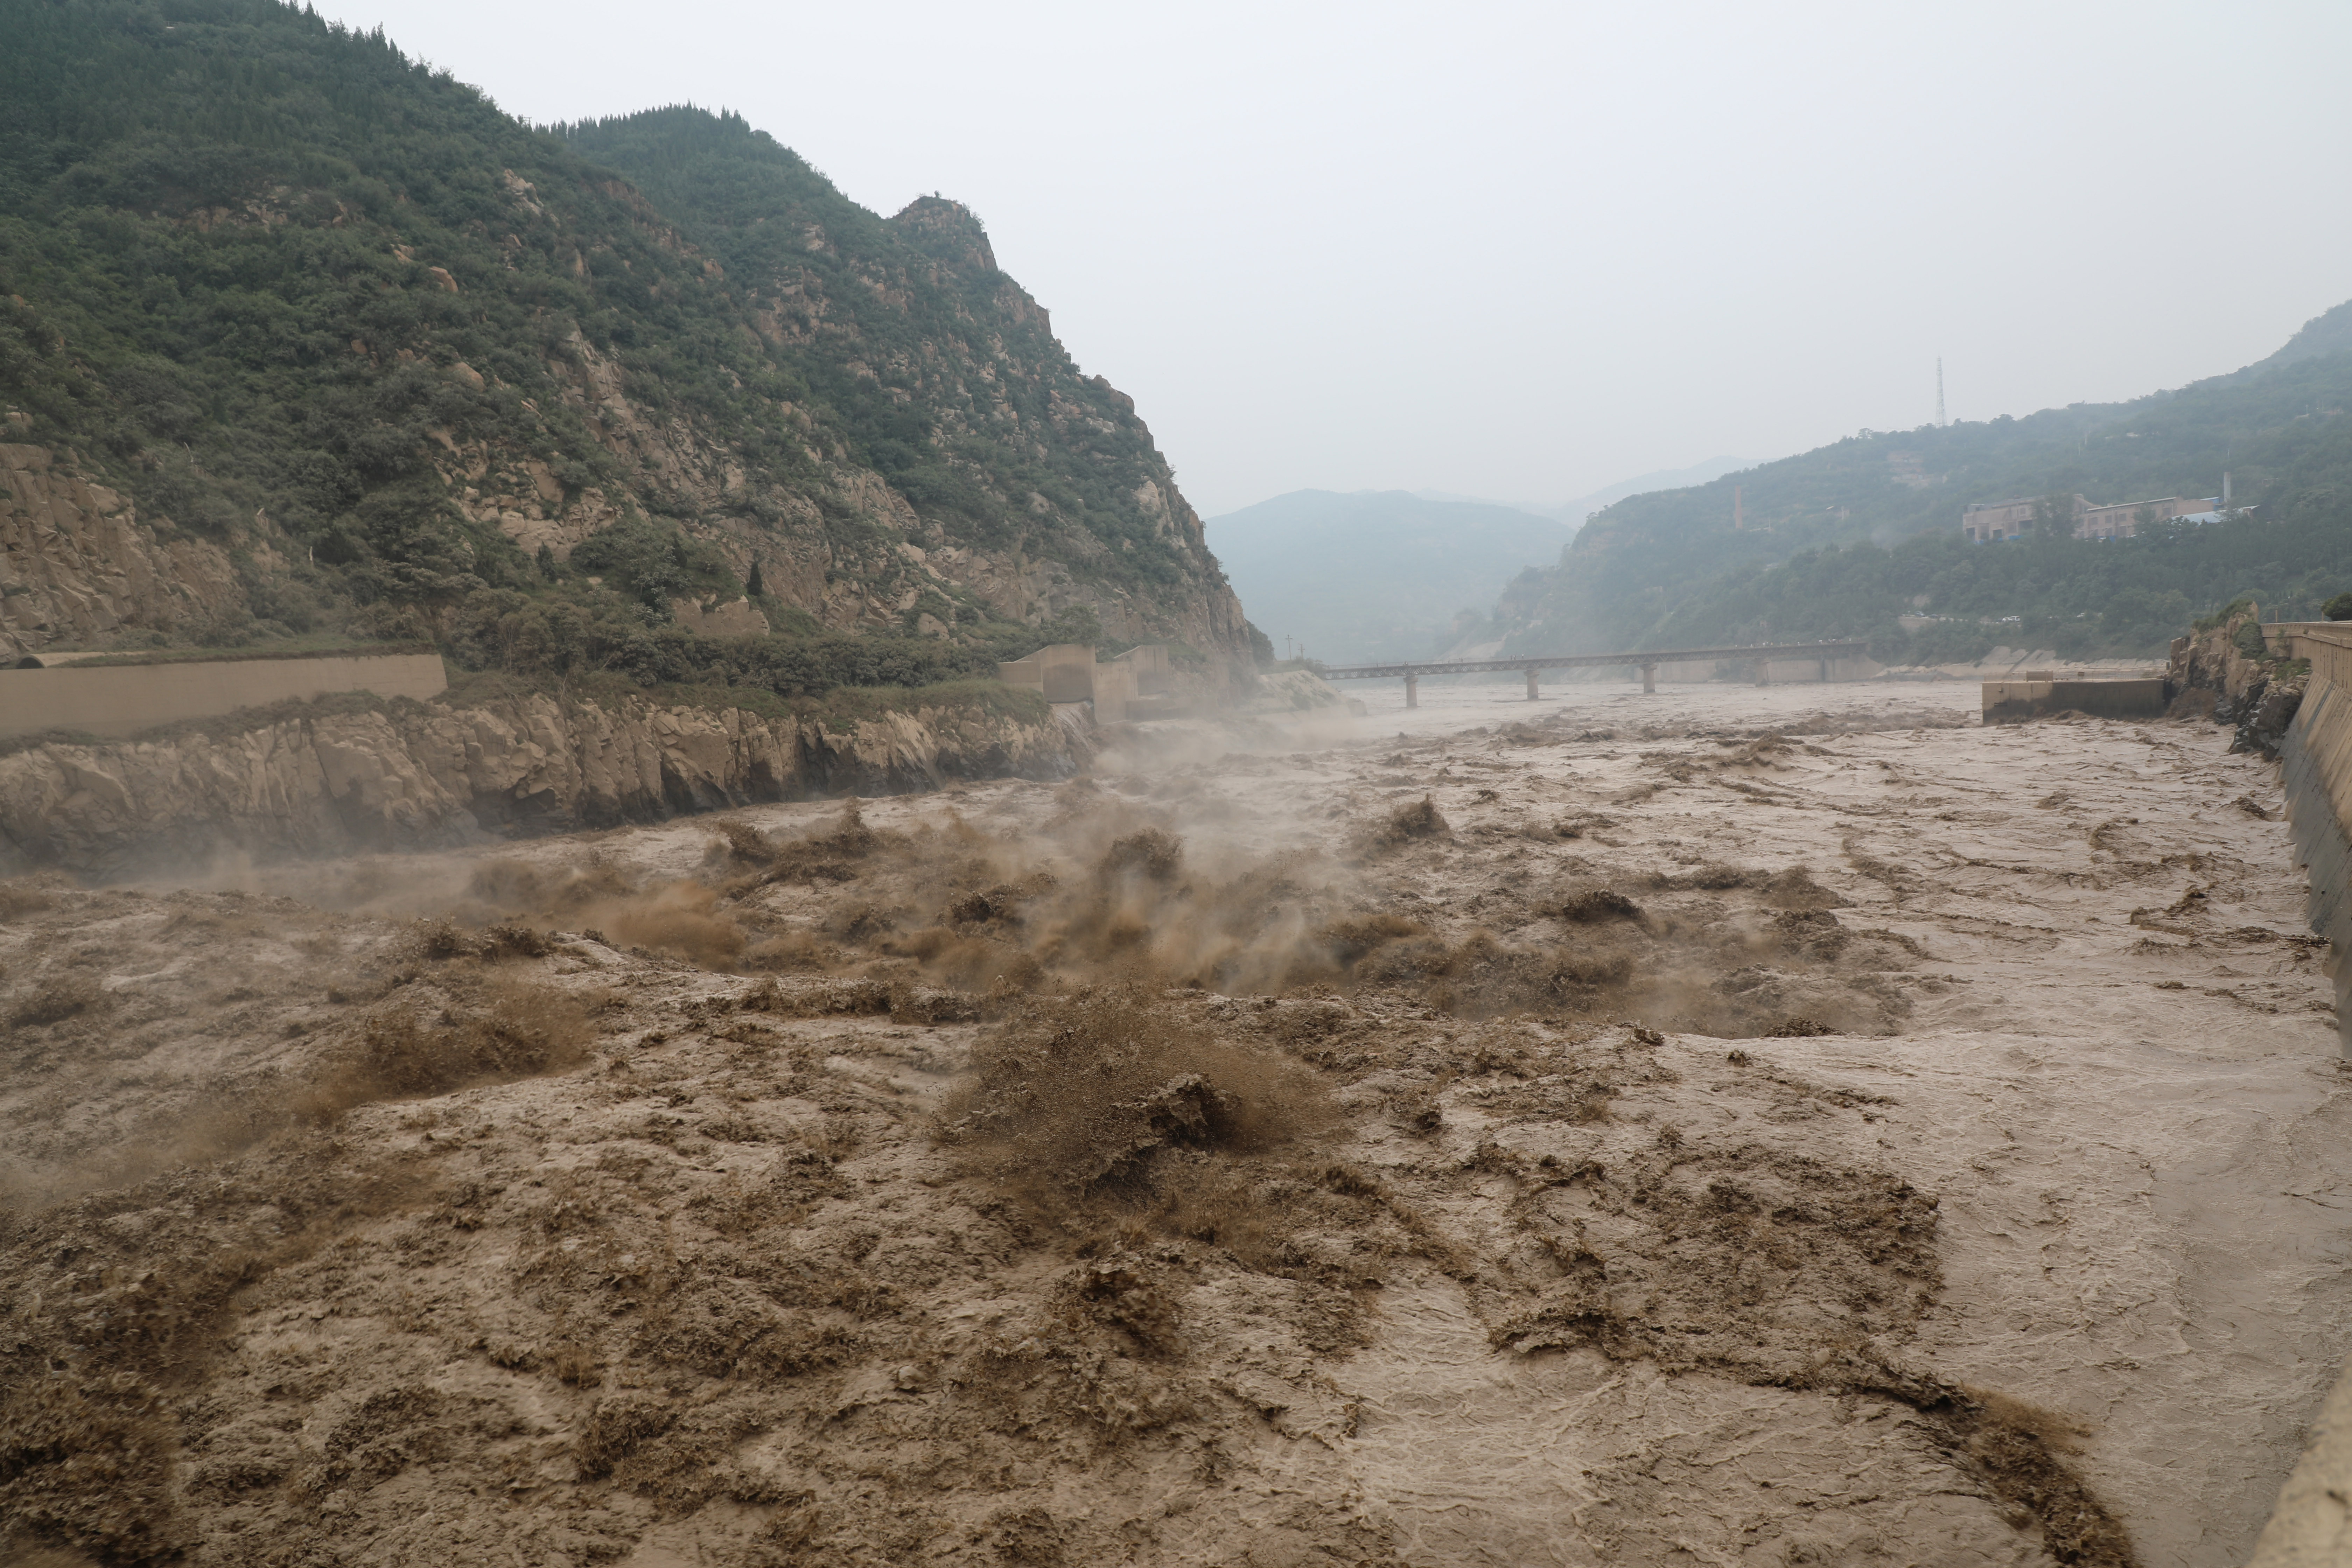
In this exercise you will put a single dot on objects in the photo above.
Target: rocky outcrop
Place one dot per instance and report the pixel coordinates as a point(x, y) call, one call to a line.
point(2224, 671)
point(405, 775)
point(76, 563)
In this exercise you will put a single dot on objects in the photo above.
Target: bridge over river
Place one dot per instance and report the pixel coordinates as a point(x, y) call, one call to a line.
point(1647, 662)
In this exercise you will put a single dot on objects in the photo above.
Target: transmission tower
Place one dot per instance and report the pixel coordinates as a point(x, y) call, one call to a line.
point(1939, 391)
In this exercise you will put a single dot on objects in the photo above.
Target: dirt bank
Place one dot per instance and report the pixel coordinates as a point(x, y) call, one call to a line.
point(1731, 1126)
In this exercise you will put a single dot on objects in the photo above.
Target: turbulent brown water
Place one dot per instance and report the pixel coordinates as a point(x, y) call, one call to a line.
point(1730, 1126)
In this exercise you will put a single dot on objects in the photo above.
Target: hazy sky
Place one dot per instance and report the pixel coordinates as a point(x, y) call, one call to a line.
point(1524, 251)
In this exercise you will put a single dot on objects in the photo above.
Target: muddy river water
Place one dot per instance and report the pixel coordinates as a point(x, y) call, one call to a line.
point(1735, 1125)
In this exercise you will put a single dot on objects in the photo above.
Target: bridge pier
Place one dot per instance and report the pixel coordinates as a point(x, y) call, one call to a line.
point(1825, 673)
point(1763, 672)
point(1649, 680)
point(1412, 691)
point(1531, 683)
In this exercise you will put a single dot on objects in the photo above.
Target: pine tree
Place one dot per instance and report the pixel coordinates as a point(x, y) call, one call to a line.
point(752, 584)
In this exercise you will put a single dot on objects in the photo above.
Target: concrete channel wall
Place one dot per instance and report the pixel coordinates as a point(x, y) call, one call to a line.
point(2312, 1525)
point(2038, 696)
point(111, 701)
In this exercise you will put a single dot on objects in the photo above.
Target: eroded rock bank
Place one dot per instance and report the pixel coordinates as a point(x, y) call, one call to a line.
point(76, 562)
point(2228, 672)
point(329, 778)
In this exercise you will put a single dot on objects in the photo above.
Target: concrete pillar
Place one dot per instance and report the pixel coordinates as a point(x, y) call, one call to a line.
point(1531, 683)
point(1412, 691)
point(1763, 672)
point(1649, 680)
point(1825, 671)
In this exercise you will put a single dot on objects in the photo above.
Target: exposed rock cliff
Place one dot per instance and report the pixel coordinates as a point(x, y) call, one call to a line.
point(2225, 670)
point(403, 775)
point(77, 565)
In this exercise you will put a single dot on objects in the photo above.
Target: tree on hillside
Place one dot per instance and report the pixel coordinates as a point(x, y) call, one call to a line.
point(2054, 516)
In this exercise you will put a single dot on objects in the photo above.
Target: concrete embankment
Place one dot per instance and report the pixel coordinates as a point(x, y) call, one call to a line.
point(2312, 1525)
point(334, 778)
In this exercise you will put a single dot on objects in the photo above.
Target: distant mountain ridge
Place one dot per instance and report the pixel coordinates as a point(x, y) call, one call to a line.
point(1377, 574)
point(1374, 575)
point(2329, 333)
point(1574, 511)
point(1846, 539)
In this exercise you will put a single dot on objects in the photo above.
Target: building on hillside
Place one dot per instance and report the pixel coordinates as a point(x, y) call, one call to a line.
point(2215, 514)
point(1988, 522)
point(2125, 519)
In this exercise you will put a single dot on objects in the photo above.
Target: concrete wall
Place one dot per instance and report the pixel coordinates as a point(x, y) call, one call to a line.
point(2012, 701)
point(1138, 684)
point(2312, 1525)
point(1063, 671)
point(1153, 674)
point(2326, 644)
point(119, 699)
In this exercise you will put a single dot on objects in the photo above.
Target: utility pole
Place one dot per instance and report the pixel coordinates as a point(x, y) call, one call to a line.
point(1939, 391)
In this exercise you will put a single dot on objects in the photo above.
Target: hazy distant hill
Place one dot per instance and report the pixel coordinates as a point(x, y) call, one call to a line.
point(1574, 512)
point(1377, 574)
point(1843, 540)
point(2329, 333)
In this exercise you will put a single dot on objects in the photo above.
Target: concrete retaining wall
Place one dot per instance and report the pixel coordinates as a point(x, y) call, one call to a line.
point(1138, 684)
point(2014, 701)
point(2316, 766)
point(117, 699)
point(2312, 1525)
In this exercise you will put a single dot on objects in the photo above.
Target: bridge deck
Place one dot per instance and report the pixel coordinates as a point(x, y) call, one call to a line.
point(1848, 649)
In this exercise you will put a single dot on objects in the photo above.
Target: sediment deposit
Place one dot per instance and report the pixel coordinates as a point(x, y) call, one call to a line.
point(1738, 1127)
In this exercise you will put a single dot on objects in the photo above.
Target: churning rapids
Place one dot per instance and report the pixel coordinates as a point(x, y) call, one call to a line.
point(1731, 1126)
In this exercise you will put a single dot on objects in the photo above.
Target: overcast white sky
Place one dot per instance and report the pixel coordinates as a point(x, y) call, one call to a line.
point(1525, 251)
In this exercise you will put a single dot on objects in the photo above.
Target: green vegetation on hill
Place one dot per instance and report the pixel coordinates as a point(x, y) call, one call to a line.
point(941, 440)
point(1844, 539)
point(302, 296)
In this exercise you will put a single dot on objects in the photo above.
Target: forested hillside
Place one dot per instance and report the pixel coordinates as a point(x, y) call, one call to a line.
point(1843, 540)
point(554, 398)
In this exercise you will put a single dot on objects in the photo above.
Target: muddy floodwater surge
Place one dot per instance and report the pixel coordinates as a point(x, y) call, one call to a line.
point(1732, 1126)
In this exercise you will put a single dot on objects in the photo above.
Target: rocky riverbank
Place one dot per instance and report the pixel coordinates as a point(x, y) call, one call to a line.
point(2225, 671)
point(358, 773)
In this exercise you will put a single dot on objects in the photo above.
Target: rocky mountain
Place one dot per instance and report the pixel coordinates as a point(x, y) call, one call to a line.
point(301, 337)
